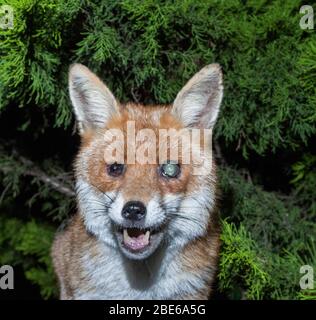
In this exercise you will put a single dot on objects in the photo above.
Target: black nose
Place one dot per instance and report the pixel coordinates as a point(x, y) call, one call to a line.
point(134, 210)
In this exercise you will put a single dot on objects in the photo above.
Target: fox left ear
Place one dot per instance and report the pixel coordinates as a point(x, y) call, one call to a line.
point(93, 103)
point(198, 103)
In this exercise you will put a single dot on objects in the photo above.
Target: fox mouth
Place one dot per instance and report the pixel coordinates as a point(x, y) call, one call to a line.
point(138, 243)
point(136, 239)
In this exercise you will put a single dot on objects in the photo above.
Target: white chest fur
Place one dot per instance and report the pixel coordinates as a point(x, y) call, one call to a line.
point(109, 275)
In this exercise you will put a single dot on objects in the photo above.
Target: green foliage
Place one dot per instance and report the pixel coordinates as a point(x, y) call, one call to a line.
point(145, 51)
point(28, 244)
point(31, 66)
point(239, 264)
point(143, 47)
point(265, 243)
point(309, 294)
point(305, 183)
point(274, 220)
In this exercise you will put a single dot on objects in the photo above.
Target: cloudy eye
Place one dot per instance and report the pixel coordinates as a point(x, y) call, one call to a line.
point(170, 170)
point(115, 169)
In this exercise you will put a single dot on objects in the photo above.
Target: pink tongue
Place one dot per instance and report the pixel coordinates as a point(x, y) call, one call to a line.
point(136, 243)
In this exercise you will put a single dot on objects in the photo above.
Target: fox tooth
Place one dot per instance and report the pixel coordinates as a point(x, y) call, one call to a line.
point(126, 237)
point(146, 237)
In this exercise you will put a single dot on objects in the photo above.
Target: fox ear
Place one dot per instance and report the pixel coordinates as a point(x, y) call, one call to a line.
point(198, 102)
point(93, 102)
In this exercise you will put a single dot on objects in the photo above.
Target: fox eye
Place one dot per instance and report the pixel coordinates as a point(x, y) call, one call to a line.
point(170, 170)
point(115, 169)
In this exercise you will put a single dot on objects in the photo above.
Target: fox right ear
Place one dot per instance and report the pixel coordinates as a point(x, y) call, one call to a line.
point(93, 102)
point(198, 102)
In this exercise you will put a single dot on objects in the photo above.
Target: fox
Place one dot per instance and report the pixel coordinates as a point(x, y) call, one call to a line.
point(142, 230)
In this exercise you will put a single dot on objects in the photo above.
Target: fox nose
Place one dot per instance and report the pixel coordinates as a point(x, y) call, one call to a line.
point(134, 210)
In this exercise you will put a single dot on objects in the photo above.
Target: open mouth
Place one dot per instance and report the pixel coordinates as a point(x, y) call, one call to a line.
point(136, 239)
point(138, 243)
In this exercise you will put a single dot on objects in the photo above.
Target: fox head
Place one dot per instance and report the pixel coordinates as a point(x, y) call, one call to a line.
point(145, 198)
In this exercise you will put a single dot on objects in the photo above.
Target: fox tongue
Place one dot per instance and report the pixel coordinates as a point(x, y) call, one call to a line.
point(136, 242)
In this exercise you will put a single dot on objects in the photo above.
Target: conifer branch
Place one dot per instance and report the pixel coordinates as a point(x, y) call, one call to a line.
point(55, 183)
point(61, 183)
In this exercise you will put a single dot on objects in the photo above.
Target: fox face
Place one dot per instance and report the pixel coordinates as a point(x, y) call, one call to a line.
point(145, 176)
